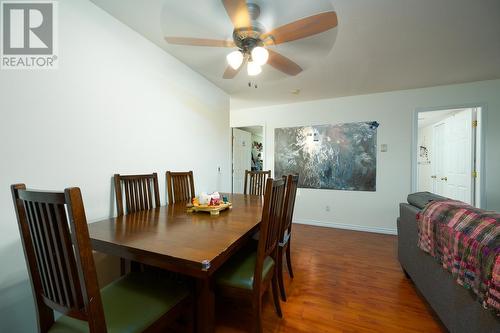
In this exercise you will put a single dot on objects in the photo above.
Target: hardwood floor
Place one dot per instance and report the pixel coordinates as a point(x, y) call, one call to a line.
point(345, 281)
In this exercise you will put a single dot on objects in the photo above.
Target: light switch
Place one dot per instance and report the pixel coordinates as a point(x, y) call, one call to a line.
point(383, 148)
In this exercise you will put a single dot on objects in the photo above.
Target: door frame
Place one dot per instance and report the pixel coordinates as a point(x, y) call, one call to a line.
point(264, 142)
point(480, 153)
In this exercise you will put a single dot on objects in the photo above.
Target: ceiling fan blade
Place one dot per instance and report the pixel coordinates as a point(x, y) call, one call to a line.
point(199, 42)
point(230, 73)
point(238, 13)
point(283, 64)
point(302, 28)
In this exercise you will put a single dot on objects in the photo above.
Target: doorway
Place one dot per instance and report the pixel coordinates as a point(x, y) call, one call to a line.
point(248, 154)
point(449, 154)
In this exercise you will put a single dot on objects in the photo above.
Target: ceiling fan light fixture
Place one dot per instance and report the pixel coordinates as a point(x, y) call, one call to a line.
point(260, 55)
point(253, 68)
point(235, 59)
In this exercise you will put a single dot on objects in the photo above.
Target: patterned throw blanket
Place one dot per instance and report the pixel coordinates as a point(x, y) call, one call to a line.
point(466, 242)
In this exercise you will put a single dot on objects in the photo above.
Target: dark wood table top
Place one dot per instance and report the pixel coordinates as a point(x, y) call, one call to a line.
point(168, 237)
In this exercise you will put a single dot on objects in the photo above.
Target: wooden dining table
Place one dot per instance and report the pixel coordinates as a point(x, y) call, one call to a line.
point(193, 244)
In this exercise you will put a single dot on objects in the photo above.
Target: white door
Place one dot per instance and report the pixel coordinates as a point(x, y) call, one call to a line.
point(242, 158)
point(459, 162)
point(454, 157)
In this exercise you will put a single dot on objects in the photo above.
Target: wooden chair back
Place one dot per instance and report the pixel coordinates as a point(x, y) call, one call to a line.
point(292, 182)
point(180, 186)
point(141, 192)
point(270, 226)
point(58, 253)
point(255, 182)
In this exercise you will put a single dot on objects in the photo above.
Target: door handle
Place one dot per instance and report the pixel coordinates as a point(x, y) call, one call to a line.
point(445, 179)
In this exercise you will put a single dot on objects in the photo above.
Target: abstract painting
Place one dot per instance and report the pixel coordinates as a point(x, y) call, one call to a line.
point(336, 157)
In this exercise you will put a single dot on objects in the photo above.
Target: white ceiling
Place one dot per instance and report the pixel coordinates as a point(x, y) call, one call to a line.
point(381, 45)
point(431, 117)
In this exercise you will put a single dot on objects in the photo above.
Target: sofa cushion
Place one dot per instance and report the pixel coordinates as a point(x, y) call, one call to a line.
point(421, 199)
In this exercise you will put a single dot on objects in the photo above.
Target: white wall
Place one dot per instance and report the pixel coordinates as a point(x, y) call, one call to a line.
point(117, 103)
point(377, 211)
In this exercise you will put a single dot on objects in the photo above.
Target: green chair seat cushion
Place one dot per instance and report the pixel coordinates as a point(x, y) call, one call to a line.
point(239, 271)
point(131, 304)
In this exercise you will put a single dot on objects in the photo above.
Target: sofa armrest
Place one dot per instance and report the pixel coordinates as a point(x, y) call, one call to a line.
point(407, 235)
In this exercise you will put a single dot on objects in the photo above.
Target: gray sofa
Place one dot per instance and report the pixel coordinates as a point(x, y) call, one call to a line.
point(454, 305)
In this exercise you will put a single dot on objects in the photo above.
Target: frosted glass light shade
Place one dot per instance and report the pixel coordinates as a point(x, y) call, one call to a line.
point(235, 59)
point(253, 68)
point(260, 55)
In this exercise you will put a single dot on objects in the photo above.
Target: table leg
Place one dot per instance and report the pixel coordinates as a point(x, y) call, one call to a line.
point(205, 307)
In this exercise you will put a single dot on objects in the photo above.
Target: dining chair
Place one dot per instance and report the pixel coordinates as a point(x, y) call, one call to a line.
point(250, 273)
point(255, 182)
point(180, 186)
point(292, 182)
point(141, 192)
point(63, 277)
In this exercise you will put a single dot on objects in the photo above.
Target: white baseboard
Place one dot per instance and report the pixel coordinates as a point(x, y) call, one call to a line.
point(378, 230)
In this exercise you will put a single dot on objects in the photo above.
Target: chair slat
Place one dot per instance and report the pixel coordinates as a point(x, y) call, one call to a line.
point(132, 195)
point(177, 187)
point(146, 194)
point(156, 190)
point(186, 189)
point(127, 197)
point(136, 196)
point(147, 189)
point(141, 195)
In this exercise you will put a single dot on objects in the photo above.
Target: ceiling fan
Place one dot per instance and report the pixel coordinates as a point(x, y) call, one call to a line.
point(251, 39)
